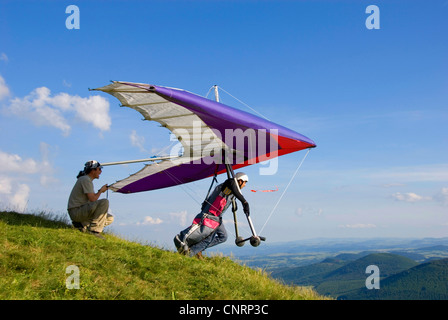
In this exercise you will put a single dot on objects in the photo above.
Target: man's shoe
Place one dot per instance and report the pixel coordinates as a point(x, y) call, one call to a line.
point(181, 247)
point(178, 243)
point(97, 234)
point(79, 226)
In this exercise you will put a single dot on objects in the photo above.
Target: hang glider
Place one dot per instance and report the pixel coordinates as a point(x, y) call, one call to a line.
point(212, 135)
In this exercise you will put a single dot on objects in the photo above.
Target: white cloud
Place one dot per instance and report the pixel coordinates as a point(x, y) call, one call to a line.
point(19, 200)
point(43, 109)
point(308, 211)
point(137, 141)
point(13, 163)
point(180, 217)
point(148, 220)
point(46, 169)
point(5, 185)
point(16, 165)
point(403, 175)
point(4, 57)
point(13, 195)
point(66, 84)
point(358, 226)
point(442, 196)
point(391, 185)
point(94, 110)
point(386, 177)
point(4, 90)
point(35, 107)
point(409, 197)
point(15, 170)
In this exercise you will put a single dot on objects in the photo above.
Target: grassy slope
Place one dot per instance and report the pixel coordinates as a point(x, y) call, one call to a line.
point(35, 252)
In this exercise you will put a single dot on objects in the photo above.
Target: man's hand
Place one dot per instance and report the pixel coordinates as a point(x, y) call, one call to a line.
point(246, 208)
point(103, 188)
point(94, 196)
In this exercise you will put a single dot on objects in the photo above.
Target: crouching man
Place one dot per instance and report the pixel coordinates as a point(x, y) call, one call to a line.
point(86, 211)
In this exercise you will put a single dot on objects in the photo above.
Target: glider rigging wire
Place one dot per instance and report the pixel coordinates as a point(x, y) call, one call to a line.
point(289, 183)
point(245, 104)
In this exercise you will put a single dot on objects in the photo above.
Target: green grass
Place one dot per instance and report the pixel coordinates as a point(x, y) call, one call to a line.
point(36, 250)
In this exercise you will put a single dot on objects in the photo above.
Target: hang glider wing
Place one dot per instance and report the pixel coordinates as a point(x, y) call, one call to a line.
point(210, 133)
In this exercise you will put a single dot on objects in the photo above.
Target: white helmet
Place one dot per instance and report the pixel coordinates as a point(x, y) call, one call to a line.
point(242, 176)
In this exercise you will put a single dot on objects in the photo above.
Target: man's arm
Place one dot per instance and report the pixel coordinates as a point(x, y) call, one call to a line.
point(94, 196)
point(237, 193)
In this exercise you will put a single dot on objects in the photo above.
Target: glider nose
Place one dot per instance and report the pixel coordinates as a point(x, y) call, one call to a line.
point(288, 145)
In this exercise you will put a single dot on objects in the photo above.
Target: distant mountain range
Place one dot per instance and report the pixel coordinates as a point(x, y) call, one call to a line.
point(426, 281)
point(336, 246)
point(399, 277)
point(411, 269)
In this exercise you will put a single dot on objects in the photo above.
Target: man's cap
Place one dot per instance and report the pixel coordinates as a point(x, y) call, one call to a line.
point(92, 164)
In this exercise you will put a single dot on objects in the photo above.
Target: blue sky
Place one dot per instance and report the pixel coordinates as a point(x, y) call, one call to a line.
point(375, 102)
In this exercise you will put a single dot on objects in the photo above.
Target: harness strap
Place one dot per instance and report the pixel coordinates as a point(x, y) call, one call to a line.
point(210, 189)
point(213, 182)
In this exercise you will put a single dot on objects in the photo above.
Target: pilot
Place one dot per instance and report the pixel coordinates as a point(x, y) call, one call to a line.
point(207, 229)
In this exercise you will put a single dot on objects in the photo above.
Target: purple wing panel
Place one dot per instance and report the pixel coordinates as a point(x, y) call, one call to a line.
point(206, 129)
point(222, 117)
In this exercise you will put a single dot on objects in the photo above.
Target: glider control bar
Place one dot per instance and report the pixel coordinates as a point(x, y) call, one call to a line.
point(239, 241)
